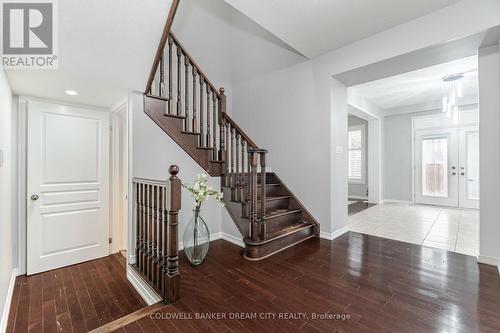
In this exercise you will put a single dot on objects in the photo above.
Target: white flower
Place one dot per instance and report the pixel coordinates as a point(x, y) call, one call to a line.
point(201, 191)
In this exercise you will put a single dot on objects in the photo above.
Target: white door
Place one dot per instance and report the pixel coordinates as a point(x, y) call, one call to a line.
point(469, 167)
point(67, 184)
point(436, 167)
point(447, 167)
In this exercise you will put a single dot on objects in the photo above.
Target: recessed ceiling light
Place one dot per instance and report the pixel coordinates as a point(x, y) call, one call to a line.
point(71, 92)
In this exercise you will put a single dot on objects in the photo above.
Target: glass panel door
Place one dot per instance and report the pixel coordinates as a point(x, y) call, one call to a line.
point(469, 167)
point(436, 167)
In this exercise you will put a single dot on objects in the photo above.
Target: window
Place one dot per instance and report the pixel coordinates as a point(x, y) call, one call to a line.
point(356, 146)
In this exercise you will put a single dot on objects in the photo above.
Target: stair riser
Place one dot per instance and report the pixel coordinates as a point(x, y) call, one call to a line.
point(262, 251)
point(270, 205)
point(284, 219)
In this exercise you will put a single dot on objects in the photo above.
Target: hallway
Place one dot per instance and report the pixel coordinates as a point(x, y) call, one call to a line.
point(451, 229)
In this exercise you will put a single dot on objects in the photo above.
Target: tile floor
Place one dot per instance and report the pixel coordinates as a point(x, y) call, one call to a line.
point(451, 229)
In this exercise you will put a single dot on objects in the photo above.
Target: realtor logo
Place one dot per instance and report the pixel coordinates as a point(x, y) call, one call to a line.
point(28, 34)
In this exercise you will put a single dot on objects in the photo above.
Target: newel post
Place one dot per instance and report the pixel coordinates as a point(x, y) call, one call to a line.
point(222, 111)
point(171, 277)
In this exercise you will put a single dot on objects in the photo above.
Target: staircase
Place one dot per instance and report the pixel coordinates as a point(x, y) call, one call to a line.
point(183, 102)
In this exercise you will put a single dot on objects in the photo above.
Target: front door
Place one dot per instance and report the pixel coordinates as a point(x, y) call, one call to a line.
point(469, 167)
point(67, 184)
point(436, 167)
point(447, 167)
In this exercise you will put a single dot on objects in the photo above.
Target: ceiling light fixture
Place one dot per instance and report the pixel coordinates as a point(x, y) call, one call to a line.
point(71, 92)
point(450, 105)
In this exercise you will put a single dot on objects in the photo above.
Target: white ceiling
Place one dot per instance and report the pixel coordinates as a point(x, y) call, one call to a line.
point(106, 48)
point(314, 27)
point(421, 87)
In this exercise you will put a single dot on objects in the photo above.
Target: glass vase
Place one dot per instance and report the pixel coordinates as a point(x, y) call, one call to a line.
point(196, 239)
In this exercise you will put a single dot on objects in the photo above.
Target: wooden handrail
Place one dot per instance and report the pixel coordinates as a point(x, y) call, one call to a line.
point(239, 130)
point(163, 41)
point(194, 63)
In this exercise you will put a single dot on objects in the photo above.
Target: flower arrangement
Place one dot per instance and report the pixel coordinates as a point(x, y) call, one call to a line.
point(201, 191)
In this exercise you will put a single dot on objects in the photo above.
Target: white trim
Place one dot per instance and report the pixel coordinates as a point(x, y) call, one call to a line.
point(143, 289)
point(232, 239)
point(407, 202)
point(489, 261)
point(360, 197)
point(335, 234)
point(8, 301)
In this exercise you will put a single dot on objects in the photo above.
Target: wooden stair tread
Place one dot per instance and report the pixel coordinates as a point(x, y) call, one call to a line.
point(191, 133)
point(205, 148)
point(281, 212)
point(278, 233)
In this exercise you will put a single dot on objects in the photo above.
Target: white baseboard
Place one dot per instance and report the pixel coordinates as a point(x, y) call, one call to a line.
point(8, 300)
point(360, 197)
point(335, 234)
point(232, 239)
point(489, 261)
point(407, 202)
point(147, 293)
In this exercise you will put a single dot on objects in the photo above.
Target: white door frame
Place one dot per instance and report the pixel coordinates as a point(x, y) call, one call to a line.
point(119, 187)
point(22, 133)
point(435, 121)
point(374, 139)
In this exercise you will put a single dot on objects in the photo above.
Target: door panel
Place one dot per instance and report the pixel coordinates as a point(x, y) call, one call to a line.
point(469, 167)
point(68, 185)
point(436, 158)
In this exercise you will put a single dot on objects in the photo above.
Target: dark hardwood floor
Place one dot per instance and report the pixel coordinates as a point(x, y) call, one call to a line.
point(356, 283)
point(358, 206)
point(381, 285)
point(77, 298)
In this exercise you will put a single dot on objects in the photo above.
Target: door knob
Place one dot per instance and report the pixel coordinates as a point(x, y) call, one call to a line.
point(34, 197)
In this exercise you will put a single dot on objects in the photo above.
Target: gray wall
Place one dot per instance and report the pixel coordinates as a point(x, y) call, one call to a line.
point(8, 254)
point(360, 189)
point(398, 156)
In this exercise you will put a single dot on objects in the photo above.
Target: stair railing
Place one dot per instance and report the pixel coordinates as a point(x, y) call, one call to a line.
point(189, 94)
point(157, 206)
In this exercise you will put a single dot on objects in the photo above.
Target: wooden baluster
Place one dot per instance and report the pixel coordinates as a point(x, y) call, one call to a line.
point(171, 289)
point(161, 228)
point(253, 196)
point(228, 156)
point(242, 171)
point(149, 263)
point(249, 176)
point(138, 250)
point(195, 126)
point(179, 81)
point(144, 226)
point(236, 191)
point(170, 42)
point(208, 141)
point(233, 160)
point(202, 132)
point(222, 110)
point(263, 194)
point(186, 93)
point(161, 86)
point(154, 264)
point(214, 133)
